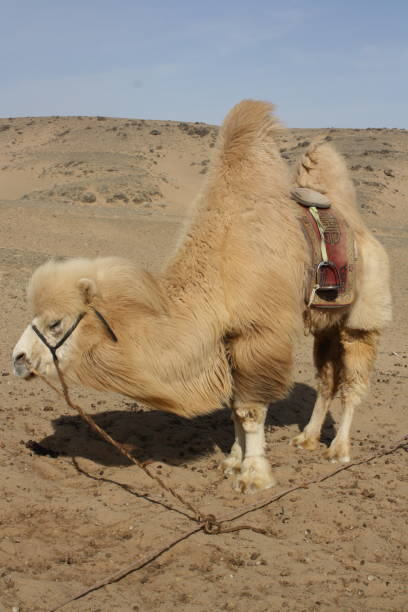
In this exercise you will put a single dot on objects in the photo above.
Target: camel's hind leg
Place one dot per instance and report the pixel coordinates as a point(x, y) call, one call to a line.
point(359, 349)
point(344, 360)
point(327, 357)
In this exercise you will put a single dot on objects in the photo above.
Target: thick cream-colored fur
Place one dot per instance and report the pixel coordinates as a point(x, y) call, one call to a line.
point(220, 323)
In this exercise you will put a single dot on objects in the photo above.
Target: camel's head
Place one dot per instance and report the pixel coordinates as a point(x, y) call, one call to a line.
point(80, 307)
point(59, 294)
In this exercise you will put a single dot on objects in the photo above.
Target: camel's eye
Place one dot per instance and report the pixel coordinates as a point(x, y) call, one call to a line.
point(55, 325)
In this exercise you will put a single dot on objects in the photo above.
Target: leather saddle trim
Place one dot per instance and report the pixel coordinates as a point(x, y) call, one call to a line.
point(330, 279)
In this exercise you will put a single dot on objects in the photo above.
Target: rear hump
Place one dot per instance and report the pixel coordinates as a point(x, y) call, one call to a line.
point(323, 169)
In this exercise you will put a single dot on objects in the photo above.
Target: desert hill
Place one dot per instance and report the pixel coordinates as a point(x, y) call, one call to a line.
point(147, 165)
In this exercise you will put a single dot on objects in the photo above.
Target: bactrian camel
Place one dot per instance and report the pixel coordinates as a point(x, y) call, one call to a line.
point(218, 327)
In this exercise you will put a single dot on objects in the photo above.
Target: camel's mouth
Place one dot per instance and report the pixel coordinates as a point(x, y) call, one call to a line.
point(24, 373)
point(30, 376)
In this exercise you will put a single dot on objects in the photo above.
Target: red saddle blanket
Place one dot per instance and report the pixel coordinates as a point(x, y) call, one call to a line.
point(339, 242)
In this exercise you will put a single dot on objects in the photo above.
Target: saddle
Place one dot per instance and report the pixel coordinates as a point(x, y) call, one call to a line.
point(331, 277)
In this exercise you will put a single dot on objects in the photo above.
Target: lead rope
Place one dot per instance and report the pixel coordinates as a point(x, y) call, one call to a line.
point(88, 419)
point(209, 523)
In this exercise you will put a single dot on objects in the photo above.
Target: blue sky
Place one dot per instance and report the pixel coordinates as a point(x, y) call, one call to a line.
point(322, 62)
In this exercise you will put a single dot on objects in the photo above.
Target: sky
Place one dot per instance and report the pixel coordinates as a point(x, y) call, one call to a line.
point(323, 63)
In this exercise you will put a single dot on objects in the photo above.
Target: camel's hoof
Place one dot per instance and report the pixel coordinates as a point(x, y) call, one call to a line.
point(302, 441)
point(255, 475)
point(232, 463)
point(338, 453)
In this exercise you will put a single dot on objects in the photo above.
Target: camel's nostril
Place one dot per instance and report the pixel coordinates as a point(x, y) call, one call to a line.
point(21, 366)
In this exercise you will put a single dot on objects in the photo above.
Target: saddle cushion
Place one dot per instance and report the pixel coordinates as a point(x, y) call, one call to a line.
point(309, 197)
point(340, 249)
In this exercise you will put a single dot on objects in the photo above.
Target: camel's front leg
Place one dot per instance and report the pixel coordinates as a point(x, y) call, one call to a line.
point(255, 472)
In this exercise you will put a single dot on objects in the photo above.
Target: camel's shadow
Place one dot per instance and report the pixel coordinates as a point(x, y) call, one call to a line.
point(159, 436)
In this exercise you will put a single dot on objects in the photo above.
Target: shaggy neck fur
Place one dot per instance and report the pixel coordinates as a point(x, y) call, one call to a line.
point(168, 355)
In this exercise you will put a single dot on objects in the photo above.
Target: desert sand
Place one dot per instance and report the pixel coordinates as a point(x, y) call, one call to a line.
point(72, 186)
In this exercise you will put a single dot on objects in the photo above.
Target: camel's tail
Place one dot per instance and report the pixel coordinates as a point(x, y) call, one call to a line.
point(249, 125)
point(323, 169)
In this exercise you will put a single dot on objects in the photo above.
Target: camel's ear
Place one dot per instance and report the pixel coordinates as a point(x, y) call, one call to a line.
point(87, 287)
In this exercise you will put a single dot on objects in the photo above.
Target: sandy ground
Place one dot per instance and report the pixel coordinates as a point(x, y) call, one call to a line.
point(89, 186)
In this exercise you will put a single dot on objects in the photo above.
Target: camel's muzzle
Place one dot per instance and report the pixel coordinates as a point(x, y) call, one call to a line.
point(20, 366)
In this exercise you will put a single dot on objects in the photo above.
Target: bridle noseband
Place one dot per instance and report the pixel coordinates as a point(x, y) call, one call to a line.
point(53, 349)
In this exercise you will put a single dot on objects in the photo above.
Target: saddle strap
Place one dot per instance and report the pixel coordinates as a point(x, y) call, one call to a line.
point(315, 214)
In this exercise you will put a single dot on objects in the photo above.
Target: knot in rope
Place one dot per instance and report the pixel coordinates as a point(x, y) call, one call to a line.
point(210, 524)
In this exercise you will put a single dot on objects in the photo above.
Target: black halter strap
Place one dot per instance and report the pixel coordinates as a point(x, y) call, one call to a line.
point(53, 349)
point(106, 324)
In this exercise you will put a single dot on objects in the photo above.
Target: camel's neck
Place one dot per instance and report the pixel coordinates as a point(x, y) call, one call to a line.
point(173, 360)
